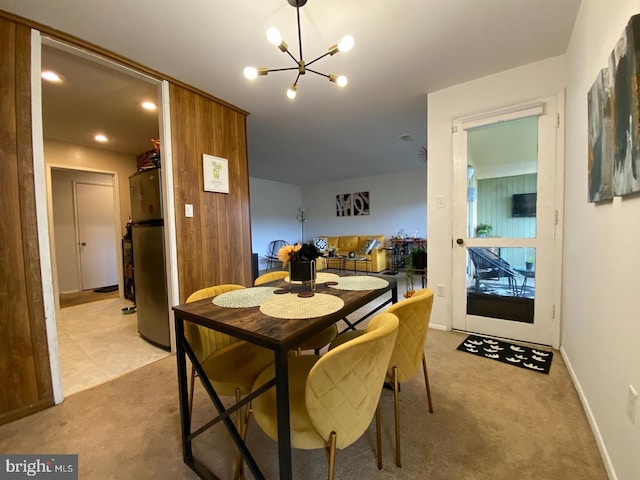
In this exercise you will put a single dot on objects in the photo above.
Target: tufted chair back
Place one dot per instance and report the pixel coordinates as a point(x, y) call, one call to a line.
point(205, 341)
point(271, 276)
point(414, 314)
point(343, 388)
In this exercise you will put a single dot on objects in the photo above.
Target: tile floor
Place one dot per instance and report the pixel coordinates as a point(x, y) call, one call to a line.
point(98, 343)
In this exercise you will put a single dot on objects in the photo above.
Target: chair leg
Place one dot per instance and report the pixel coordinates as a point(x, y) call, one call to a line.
point(396, 403)
point(332, 455)
point(379, 436)
point(426, 382)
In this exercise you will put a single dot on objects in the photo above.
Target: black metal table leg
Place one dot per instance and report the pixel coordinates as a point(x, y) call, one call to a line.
point(282, 409)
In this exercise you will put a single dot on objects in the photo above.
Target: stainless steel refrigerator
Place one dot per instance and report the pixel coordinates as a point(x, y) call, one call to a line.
point(150, 279)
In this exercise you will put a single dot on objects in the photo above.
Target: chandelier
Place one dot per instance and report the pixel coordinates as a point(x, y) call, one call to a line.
point(273, 35)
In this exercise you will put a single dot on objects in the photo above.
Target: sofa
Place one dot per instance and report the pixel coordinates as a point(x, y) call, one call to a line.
point(377, 257)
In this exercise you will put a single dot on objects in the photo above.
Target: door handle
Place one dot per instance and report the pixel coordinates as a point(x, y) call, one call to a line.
point(460, 241)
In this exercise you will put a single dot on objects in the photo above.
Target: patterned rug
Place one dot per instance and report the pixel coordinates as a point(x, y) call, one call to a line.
point(524, 357)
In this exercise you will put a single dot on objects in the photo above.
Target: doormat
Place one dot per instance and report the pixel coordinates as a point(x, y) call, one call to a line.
point(110, 288)
point(518, 355)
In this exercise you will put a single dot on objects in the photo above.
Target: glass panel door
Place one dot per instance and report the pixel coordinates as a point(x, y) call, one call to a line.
point(503, 224)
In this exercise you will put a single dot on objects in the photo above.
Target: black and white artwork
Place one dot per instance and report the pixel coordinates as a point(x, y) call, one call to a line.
point(361, 203)
point(343, 205)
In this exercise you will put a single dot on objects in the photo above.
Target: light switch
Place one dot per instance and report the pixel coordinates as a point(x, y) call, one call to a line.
point(188, 210)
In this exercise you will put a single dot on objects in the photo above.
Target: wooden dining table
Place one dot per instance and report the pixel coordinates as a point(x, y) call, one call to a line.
point(277, 334)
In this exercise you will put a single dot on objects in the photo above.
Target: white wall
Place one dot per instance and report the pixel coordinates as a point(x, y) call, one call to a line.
point(518, 85)
point(274, 207)
point(397, 201)
point(95, 159)
point(601, 327)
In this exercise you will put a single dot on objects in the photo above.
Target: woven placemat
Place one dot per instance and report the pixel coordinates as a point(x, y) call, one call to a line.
point(290, 306)
point(244, 297)
point(360, 283)
point(321, 277)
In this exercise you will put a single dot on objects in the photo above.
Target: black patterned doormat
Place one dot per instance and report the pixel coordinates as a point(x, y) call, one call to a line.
point(518, 355)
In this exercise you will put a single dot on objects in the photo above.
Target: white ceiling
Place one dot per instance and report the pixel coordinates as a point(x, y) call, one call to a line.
point(403, 50)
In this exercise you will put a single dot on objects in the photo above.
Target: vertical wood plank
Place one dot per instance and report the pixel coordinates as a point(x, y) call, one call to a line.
point(25, 380)
point(219, 234)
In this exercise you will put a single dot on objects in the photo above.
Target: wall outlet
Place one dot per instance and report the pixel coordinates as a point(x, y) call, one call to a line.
point(632, 404)
point(440, 290)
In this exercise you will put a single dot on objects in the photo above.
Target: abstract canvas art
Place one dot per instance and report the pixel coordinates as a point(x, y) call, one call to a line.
point(360, 203)
point(624, 65)
point(614, 121)
point(343, 205)
point(600, 138)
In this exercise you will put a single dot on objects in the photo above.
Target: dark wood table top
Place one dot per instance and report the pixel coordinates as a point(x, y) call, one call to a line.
point(275, 333)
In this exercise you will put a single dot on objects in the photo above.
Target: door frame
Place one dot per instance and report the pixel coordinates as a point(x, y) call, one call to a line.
point(42, 183)
point(554, 278)
point(118, 220)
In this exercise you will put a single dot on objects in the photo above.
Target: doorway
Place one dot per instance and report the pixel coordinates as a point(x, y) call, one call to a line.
point(97, 341)
point(85, 220)
point(505, 221)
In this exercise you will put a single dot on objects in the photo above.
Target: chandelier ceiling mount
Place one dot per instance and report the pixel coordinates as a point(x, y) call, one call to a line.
point(273, 36)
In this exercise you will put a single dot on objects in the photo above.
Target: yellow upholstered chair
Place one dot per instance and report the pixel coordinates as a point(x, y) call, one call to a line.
point(231, 365)
point(271, 277)
point(320, 339)
point(414, 314)
point(333, 398)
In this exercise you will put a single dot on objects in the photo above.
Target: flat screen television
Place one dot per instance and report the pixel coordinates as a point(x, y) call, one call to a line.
point(523, 205)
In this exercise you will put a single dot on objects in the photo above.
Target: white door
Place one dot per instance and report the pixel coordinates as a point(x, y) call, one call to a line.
point(96, 235)
point(505, 276)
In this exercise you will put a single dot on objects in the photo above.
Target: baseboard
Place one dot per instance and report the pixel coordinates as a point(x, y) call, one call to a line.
point(611, 473)
point(438, 327)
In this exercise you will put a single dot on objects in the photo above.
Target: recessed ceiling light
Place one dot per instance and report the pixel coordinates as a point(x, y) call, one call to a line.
point(101, 138)
point(51, 76)
point(149, 105)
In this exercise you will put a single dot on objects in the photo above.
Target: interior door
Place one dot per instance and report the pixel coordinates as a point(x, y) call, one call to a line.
point(504, 223)
point(96, 235)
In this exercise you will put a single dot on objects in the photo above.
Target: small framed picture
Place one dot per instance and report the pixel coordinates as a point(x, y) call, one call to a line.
point(216, 174)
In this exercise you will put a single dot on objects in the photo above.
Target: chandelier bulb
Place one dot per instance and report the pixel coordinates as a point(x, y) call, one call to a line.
point(291, 93)
point(274, 37)
point(250, 73)
point(341, 80)
point(346, 43)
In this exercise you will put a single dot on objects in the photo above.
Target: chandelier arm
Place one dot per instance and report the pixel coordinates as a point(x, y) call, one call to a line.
point(281, 69)
point(315, 60)
point(292, 57)
point(299, 31)
point(295, 84)
point(318, 73)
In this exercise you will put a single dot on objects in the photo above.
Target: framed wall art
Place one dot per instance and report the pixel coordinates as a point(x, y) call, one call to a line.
point(343, 205)
point(360, 203)
point(613, 114)
point(216, 174)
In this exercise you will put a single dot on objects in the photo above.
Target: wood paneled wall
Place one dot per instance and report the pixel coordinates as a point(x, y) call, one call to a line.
point(214, 246)
point(25, 378)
